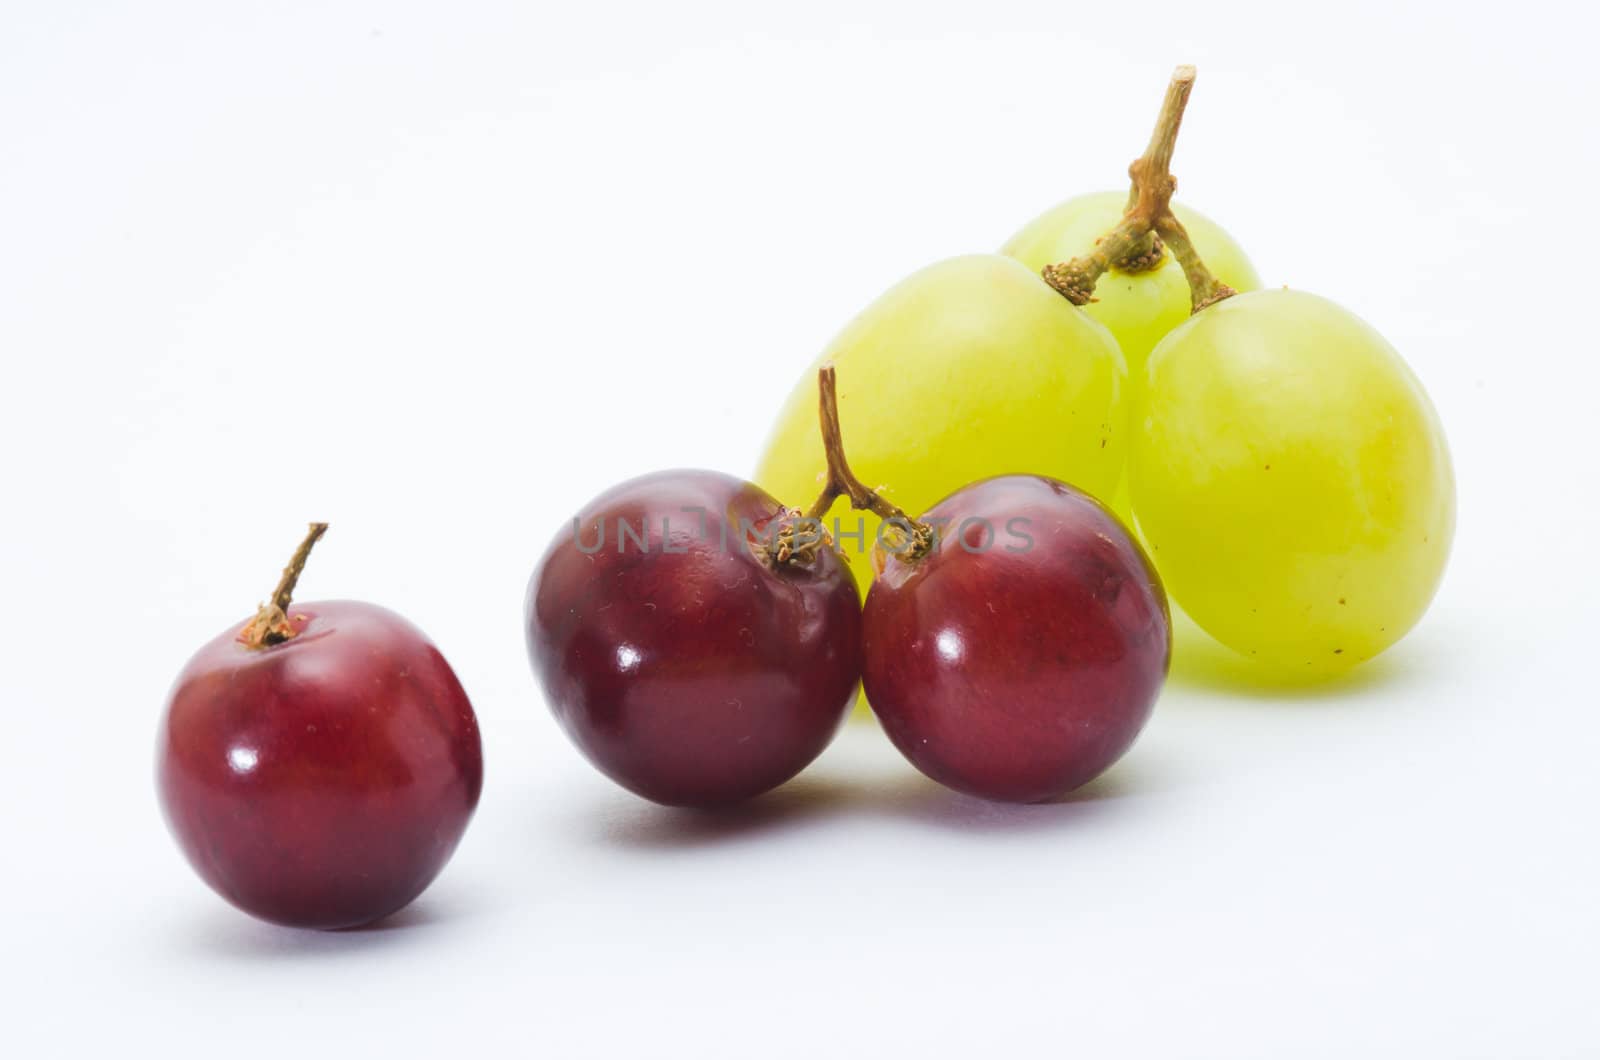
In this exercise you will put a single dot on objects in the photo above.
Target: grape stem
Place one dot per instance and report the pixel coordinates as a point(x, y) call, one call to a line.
point(794, 544)
point(1148, 223)
point(271, 624)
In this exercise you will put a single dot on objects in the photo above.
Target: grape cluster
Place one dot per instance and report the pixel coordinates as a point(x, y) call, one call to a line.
point(1279, 460)
point(701, 641)
point(1285, 471)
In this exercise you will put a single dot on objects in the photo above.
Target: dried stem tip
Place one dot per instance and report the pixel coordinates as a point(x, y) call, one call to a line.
point(271, 624)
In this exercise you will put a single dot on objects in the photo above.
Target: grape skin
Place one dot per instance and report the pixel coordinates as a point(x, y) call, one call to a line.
point(1292, 480)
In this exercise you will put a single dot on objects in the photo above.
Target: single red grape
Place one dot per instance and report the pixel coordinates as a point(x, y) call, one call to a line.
point(1021, 656)
point(689, 665)
point(319, 767)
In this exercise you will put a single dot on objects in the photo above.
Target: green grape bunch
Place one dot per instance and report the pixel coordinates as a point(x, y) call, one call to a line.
point(1286, 468)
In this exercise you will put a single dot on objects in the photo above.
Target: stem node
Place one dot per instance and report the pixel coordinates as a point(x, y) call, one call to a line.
point(1148, 224)
point(787, 546)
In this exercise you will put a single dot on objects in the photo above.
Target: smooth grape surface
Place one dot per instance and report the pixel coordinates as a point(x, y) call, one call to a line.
point(683, 667)
point(1021, 657)
point(971, 368)
point(1292, 481)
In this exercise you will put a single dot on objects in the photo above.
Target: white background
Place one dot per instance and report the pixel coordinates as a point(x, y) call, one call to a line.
point(438, 273)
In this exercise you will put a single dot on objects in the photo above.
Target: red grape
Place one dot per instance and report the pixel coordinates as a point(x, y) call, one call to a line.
point(323, 777)
point(686, 664)
point(1021, 656)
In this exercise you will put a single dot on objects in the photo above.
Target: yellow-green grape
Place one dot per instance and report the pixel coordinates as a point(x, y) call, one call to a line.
point(1292, 480)
point(970, 368)
point(1139, 308)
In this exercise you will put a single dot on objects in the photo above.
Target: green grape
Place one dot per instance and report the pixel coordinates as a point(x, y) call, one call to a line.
point(1139, 308)
point(1292, 480)
point(970, 368)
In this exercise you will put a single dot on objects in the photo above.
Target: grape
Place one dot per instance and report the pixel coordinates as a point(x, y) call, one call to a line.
point(319, 762)
point(1139, 308)
point(1292, 480)
point(686, 668)
point(970, 368)
point(1022, 655)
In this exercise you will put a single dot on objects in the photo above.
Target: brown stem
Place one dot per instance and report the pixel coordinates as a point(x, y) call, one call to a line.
point(1204, 288)
point(1156, 162)
point(1145, 254)
point(790, 544)
point(1135, 245)
point(843, 482)
point(271, 624)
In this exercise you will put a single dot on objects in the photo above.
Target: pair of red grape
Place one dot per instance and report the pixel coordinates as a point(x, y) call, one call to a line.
point(701, 643)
